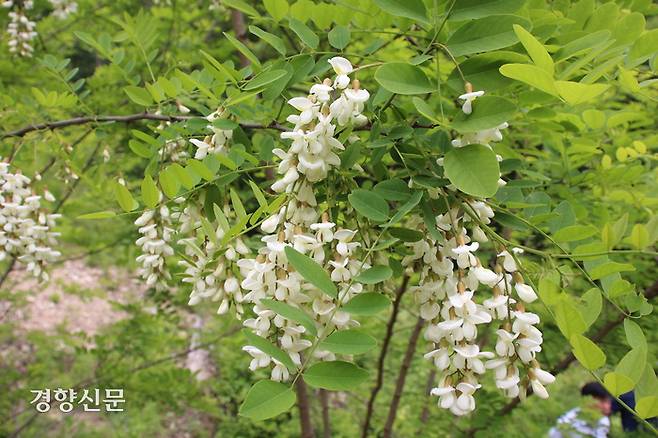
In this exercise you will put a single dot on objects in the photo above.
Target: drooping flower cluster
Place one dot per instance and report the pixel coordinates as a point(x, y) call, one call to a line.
point(22, 30)
point(155, 226)
point(25, 227)
point(301, 225)
point(457, 294)
point(217, 143)
point(209, 268)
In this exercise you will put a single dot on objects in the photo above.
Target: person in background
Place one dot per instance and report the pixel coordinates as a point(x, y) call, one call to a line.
point(590, 419)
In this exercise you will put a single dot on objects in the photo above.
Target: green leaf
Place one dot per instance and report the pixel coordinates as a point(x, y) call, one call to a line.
point(241, 6)
point(369, 303)
point(124, 198)
point(591, 306)
point(304, 33)
point(369, 204)
point(587, 352)
point(531, 75)
point(348, 342)
point(169, 183)
point(488, 112)
point(139, 95)
point(335, 375)
point(244, 50)
point(647, 407)
point(639, 237)
point(149, 192)
point(186, 178)
point(402, 78)
point(609, 268)
point(267, 399)
point(393, 190)
point(485, 34)
point(97, 215)
point(535, 49)
point(424, 109)
point(617, 384)
point(473, 169)
point(268, 348)
point(374, 275)
point(470, 9)
point(574, 232)
point(292, 313)
point(575, 92)
point(269, 38)
point(264, 78)
point(200, 169)
point(414, 9)
point(632, 364)
point(403, 210)
point(339, 37)
point(311, 271)
point(634, 334)
point(276, 8)
point(645, 46)
point(405, 234)
point(569, 320)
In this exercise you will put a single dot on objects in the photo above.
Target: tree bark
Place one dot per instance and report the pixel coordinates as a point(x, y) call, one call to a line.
point(326, 419)
point(402, 376)
point(382, 356)
point(304, 410)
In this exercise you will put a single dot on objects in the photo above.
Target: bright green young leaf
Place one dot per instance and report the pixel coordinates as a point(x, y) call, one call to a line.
point(339, 37)
point(609, 268)
point(569, 319)
point(473, 169)
point(335, 375)
point(269, 38)
point(311, 271)
point(374, 275)
point(242, 6)
point(369, 204)
point(646, 45)
point(634, 335)
point(485, 34)
point(351, 341)
point(531, 75)
point(276, 8)
point(267, 347)
point(169, 183)
point(267, 399)
point(98, 215)
point(647, 407)
point(587, 352)
point(368, 303)
point(124, 198)
point(617, 383)
point(488, 112)
point(304, 33)
point(535, 49)
point(632, 364)
point(639, 237)
point(576, 92)
point(402, 78)
point(413, 9)
point(150, 192)
point(574, 233)
point(590, 306)
point(200, 169)
point(292, 313)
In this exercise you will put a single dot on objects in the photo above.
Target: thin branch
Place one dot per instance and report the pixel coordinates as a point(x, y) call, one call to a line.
point(425, 413)
point(123, 119)
point(402, 377)
point(382, 356)
point(304, 410)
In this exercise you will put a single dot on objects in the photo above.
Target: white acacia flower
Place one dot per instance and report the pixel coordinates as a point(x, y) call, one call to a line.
point(468, 99)
point(525, 292)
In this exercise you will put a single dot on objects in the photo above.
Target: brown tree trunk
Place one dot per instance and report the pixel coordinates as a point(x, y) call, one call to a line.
point(304, 410)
